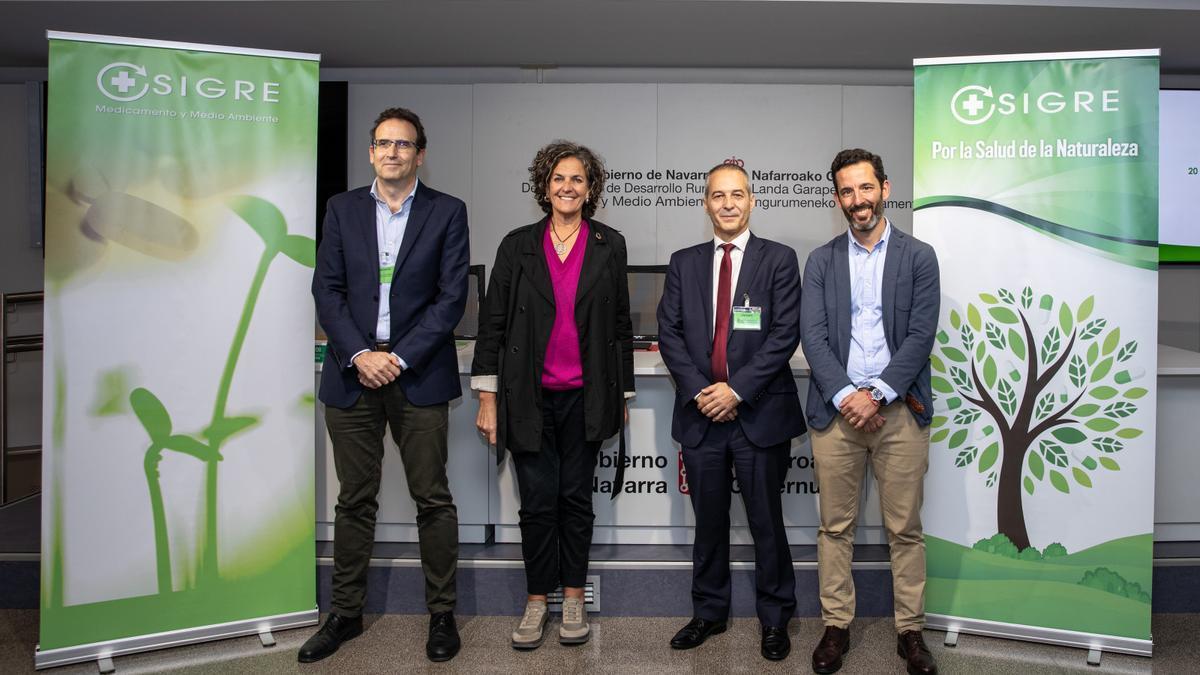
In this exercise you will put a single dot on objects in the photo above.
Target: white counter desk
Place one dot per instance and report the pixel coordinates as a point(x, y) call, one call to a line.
point(653, 510)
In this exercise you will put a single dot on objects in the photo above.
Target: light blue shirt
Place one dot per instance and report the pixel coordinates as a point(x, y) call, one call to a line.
point(869, 353)
point(389, 230)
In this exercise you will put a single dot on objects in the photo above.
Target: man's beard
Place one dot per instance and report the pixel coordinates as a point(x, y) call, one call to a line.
point(876, 217)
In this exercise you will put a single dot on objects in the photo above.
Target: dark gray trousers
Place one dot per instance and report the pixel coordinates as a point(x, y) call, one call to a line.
point(420, 433)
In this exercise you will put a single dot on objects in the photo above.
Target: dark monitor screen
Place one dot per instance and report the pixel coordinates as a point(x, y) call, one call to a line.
point(468, 326)
point(645, 290)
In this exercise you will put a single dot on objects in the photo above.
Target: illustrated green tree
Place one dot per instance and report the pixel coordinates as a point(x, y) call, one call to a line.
point(268, 222)
point(1029, 391)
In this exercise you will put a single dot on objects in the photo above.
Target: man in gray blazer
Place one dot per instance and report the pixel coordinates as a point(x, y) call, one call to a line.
point(868, 314)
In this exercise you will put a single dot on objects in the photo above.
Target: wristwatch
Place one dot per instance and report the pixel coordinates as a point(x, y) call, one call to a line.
point(875, 393)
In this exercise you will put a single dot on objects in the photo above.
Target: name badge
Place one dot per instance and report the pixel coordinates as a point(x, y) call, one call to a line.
point(385, 274)
point(747, 318)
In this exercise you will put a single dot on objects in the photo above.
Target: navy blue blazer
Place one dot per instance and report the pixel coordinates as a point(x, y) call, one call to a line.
point(770, 411)
point(911, 300)
point(428, 294)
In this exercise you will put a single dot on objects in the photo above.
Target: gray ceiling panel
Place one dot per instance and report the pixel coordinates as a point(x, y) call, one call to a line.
point(791, 34)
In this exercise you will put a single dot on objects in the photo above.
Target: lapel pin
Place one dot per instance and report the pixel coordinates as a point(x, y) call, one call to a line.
point(598, 236)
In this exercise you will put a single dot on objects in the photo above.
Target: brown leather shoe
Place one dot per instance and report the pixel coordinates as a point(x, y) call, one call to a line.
point(827, 657)
point(910, 645)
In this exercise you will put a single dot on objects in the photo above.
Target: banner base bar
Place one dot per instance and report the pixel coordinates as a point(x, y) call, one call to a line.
point(1054, 636)
point(101, 651)
point(266, 637)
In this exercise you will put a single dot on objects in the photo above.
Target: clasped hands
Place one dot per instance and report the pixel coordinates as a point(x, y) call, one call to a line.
point(862, 411)
point(376, 369)
point(718, 402)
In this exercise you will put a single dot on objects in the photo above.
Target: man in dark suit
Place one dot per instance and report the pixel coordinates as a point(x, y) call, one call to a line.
point(390, 286)
point(868, 319)
point(728, 325)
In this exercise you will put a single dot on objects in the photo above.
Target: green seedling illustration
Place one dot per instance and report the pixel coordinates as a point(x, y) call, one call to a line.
point(1004, 407)
point(105, 214)
point(266, 220)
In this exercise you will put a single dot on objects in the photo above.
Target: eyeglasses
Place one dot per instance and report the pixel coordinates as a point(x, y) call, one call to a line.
point(386, 144)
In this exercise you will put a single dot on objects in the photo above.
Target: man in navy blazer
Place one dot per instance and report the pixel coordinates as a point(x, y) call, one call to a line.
point(390, 286)
point(867, 321)
point(728, 325)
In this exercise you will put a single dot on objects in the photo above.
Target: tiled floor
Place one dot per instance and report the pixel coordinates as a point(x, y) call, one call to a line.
point(394, 642)
point(627, 645)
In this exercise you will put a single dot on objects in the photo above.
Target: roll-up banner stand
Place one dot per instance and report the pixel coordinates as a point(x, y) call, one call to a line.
point(178, 500)
point(1036, 180)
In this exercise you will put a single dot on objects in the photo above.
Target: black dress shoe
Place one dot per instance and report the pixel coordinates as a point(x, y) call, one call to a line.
point(827, 657)
point(337, 629)
point(696, 632)
point(443, 642)
point(910, 645)
point(776, 645)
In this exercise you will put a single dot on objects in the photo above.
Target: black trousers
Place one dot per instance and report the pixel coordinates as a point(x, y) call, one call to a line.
point(556, 496)
point(760, 473)
point(420, 434)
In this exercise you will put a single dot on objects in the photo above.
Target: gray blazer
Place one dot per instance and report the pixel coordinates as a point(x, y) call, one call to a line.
point(911, 301)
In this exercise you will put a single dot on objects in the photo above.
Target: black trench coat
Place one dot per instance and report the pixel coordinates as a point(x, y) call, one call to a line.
point(514, 330)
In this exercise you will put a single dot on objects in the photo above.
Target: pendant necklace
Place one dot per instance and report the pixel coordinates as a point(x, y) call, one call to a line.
point(561, 247)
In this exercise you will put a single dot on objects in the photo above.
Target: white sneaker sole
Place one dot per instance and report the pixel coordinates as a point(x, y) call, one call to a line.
point(574, 639)
point(530, 645)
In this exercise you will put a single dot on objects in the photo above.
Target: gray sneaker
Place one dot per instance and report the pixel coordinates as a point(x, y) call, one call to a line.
point(532, 628)
point(574, 629)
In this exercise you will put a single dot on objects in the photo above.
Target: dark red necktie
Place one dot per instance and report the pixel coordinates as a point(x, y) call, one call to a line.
point(720, 367)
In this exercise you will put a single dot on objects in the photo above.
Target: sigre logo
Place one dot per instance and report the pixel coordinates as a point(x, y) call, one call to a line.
point(972, 104)
point(975, 104)
point(120, 81)
point(125, 82)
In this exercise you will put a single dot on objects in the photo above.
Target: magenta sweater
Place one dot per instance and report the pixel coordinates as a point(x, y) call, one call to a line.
point(563, 369)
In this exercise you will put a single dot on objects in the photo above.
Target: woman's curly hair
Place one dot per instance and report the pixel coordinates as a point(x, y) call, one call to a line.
point(549, 156)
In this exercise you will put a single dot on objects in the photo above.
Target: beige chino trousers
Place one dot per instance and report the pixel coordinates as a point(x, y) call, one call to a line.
point(899, 457)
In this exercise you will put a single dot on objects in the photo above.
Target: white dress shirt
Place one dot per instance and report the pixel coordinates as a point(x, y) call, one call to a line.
point(389, 231)
point(869, 353)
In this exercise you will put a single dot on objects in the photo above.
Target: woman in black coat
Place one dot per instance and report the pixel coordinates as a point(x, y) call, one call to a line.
point(553, 367)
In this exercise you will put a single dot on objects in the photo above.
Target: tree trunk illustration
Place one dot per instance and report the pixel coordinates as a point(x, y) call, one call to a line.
point(1010, 507)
